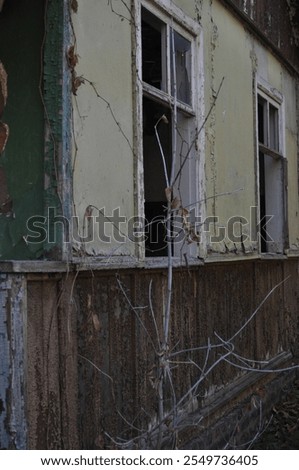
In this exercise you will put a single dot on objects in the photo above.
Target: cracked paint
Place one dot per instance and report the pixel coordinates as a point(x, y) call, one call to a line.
point(5, 200)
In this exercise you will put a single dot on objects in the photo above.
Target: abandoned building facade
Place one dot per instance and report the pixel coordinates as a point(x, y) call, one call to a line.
point(149, 220)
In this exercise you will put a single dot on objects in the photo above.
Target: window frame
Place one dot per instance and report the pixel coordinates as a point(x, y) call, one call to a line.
point(273, 98)
point(170, 14)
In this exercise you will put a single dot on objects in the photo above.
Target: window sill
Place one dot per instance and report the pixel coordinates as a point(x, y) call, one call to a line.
point(107, 263)
point(274, 256)
point(92, 263)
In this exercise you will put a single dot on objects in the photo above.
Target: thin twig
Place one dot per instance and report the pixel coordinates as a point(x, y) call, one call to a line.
point(135, 310)
point(164, 119)
point(110, 110)
point(257, 309)
point(131, 425)
point(199, 131)
point(96, 367)
point(122, 17)
point(269, 371)
point(153, 313)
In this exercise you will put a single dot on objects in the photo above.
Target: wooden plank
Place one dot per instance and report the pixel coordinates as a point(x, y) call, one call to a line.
point(13, 430)
point(32, 266)
point(117, 360)
point(68, 364)
point(43, 387)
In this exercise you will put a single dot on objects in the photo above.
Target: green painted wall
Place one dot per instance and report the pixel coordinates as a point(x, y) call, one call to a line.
point(21, 37)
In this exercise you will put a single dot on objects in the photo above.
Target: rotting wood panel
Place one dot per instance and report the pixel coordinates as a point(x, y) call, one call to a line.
point(68, 361)
point(13, 428)
point(52, 366)
point(57, 101)
point(43, 409)
point(115, 392)
point(107, 331)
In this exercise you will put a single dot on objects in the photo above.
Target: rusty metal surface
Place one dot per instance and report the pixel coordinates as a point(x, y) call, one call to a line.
point(114, 393)
point(278, 21)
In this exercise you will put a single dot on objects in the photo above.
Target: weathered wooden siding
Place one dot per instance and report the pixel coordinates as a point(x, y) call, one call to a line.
point(86, 320)
point(52, 366)
point(276, 20)
point(13, 426)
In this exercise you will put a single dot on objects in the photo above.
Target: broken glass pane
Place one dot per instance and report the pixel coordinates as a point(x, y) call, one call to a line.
point(273, 128)
point(182, 66)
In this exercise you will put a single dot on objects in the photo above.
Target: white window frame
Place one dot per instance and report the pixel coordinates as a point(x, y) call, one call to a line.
point(167, 12)
point(277, 228)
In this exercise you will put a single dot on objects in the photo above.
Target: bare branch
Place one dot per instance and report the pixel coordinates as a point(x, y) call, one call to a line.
point(199, 348)
point(163, 119)
point(198, 132)
point(135, 310)
point(263, 370)
point(153, 313)
point(205, 199)
point(131, 425)
point(257, 309)
point(96, 367)
point(110, 110)
point(122, 17)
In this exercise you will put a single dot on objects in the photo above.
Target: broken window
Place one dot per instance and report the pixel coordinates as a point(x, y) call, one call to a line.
point(272, 173)
point(170, 126)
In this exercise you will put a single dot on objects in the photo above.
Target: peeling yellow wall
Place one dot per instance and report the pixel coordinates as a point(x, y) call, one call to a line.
point(230, 155)
point(104, 162)
point(291, 139)
point(103, 157)
point(231, 152)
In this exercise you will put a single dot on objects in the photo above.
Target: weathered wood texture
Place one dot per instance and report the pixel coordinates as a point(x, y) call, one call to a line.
point(52, 366)
point(87, 320)
point(13, 432)
point(278, 20)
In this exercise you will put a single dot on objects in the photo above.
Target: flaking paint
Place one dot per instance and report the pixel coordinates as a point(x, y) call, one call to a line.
point(103, 166)
point(103, 133)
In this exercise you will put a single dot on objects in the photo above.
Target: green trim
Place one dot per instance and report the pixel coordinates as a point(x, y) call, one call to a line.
point(55, 100)
point(37, 159)
point(21, 36)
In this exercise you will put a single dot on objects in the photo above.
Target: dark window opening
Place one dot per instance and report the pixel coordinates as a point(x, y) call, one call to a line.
point(154, 174)
point(273, 128)
point(152, 30)
point(167, 64)
point(262, 198)
point(271, 179)
point(261, 132)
